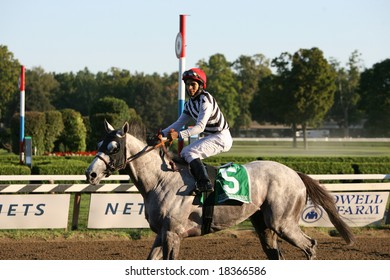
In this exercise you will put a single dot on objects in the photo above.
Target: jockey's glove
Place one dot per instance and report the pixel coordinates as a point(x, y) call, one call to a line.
point(172, 135)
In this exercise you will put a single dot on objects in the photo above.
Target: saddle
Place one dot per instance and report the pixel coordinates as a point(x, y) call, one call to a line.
point(208, 197)
point(212, 171)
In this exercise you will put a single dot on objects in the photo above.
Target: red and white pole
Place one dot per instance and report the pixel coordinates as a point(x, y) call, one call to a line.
point(180, 48)
point(22, 109)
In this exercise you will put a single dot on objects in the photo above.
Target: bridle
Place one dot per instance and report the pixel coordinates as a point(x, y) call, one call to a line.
point(110, 166)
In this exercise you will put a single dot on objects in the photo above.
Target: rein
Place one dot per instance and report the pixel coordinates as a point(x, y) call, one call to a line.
point(144, 151)
point(147, 149)
point(111, 168)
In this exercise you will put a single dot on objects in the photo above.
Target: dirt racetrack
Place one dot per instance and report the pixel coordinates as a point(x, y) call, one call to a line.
point(238, 245)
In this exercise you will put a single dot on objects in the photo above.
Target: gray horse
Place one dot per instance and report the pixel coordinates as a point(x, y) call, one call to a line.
point(278, 196)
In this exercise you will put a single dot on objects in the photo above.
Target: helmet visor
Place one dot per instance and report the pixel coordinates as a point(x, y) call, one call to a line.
point(191, 74)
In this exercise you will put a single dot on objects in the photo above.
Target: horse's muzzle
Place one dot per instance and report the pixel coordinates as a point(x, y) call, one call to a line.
point(91, 177)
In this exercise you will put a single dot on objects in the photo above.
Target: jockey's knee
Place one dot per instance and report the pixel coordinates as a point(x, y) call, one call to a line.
point(189, 155)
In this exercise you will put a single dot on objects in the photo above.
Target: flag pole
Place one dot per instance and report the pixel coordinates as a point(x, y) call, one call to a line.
point(22, 110)
point(180, 48)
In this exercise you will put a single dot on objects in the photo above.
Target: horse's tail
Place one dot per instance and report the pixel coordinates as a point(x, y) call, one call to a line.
point(320, 196)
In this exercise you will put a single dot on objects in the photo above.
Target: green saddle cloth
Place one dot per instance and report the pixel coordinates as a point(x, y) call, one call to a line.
point(232, 183)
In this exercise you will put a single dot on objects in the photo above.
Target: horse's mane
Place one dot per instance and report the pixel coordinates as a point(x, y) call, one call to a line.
point(137, 129)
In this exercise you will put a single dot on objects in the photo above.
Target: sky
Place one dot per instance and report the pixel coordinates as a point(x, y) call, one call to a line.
point(139, 36)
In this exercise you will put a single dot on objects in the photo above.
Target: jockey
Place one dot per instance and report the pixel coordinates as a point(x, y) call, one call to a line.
point(203, 108)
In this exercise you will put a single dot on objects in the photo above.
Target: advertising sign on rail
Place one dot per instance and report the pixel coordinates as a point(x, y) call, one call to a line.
point(356, 208)
point(127, 210)
point(31, 211)
point(117, 211)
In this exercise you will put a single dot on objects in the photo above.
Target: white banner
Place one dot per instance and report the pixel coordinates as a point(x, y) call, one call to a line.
point(117, 211)
point(127, 210)
point(356, 209)
point(34, 211)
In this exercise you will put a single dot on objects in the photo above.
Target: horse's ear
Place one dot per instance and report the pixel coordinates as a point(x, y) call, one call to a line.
point(108, 126)
point(125, 128)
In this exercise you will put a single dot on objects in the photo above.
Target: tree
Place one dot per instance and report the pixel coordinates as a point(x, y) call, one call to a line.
point(43, 127)
point(113, 83)
point(345, 109)
point(375, 98)
point(35, 125)
point(170, 92)
point(250, 70)
point(147, 97)
point(73, 137)
point(53, 129)
point(313, 87)
point(39, 89)
point(9, 75)
point(273, 102)
point(65, 95)
point(269, 104)
point(78, 91)
point(301, 92)
point(222, 85)
point(114, 110)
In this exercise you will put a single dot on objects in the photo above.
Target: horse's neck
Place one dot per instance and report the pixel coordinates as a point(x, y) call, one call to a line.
point(145, 171)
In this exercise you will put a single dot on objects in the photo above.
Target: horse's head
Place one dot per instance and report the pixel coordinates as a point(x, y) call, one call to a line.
point(111, 154)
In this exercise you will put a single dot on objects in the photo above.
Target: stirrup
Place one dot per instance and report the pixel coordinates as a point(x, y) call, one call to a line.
point(204, 187)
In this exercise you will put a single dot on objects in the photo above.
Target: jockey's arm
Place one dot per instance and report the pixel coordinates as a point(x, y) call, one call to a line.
point(203, 118)
point(177, 125)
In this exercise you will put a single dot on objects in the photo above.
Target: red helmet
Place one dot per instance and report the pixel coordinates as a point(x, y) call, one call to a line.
point(195, 74)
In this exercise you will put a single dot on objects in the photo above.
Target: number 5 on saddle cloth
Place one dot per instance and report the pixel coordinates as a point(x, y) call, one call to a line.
point(231, 185)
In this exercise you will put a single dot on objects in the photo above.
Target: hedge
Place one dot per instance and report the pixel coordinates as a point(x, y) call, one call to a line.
point(14, 169)
point(76, 165)
point(320, 165)
point(64, 167)
point(327, 159)
point(373, 168)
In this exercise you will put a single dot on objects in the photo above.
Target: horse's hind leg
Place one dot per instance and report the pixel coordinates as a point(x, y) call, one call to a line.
point(170, 245)
point(166, 246)
point(294, 235)
point(287, 228)
point(156, 251)
point(268, 237)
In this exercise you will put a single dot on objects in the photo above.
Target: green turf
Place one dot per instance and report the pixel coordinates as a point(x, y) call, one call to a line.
point(317, 148)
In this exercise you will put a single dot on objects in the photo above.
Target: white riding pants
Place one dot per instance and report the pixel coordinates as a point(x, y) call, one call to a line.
point(208, 146)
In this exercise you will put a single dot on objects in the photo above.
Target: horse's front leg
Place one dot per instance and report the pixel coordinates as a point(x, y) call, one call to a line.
point(156, 251)
point(171, 245)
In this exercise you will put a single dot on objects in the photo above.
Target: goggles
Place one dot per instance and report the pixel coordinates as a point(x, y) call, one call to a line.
point(190, 73)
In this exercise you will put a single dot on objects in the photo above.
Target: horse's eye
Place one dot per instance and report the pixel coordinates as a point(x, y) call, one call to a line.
point(113, 147)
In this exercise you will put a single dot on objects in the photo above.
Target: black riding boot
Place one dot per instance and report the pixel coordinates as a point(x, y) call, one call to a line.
point(199, 171)
point(204, 186)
